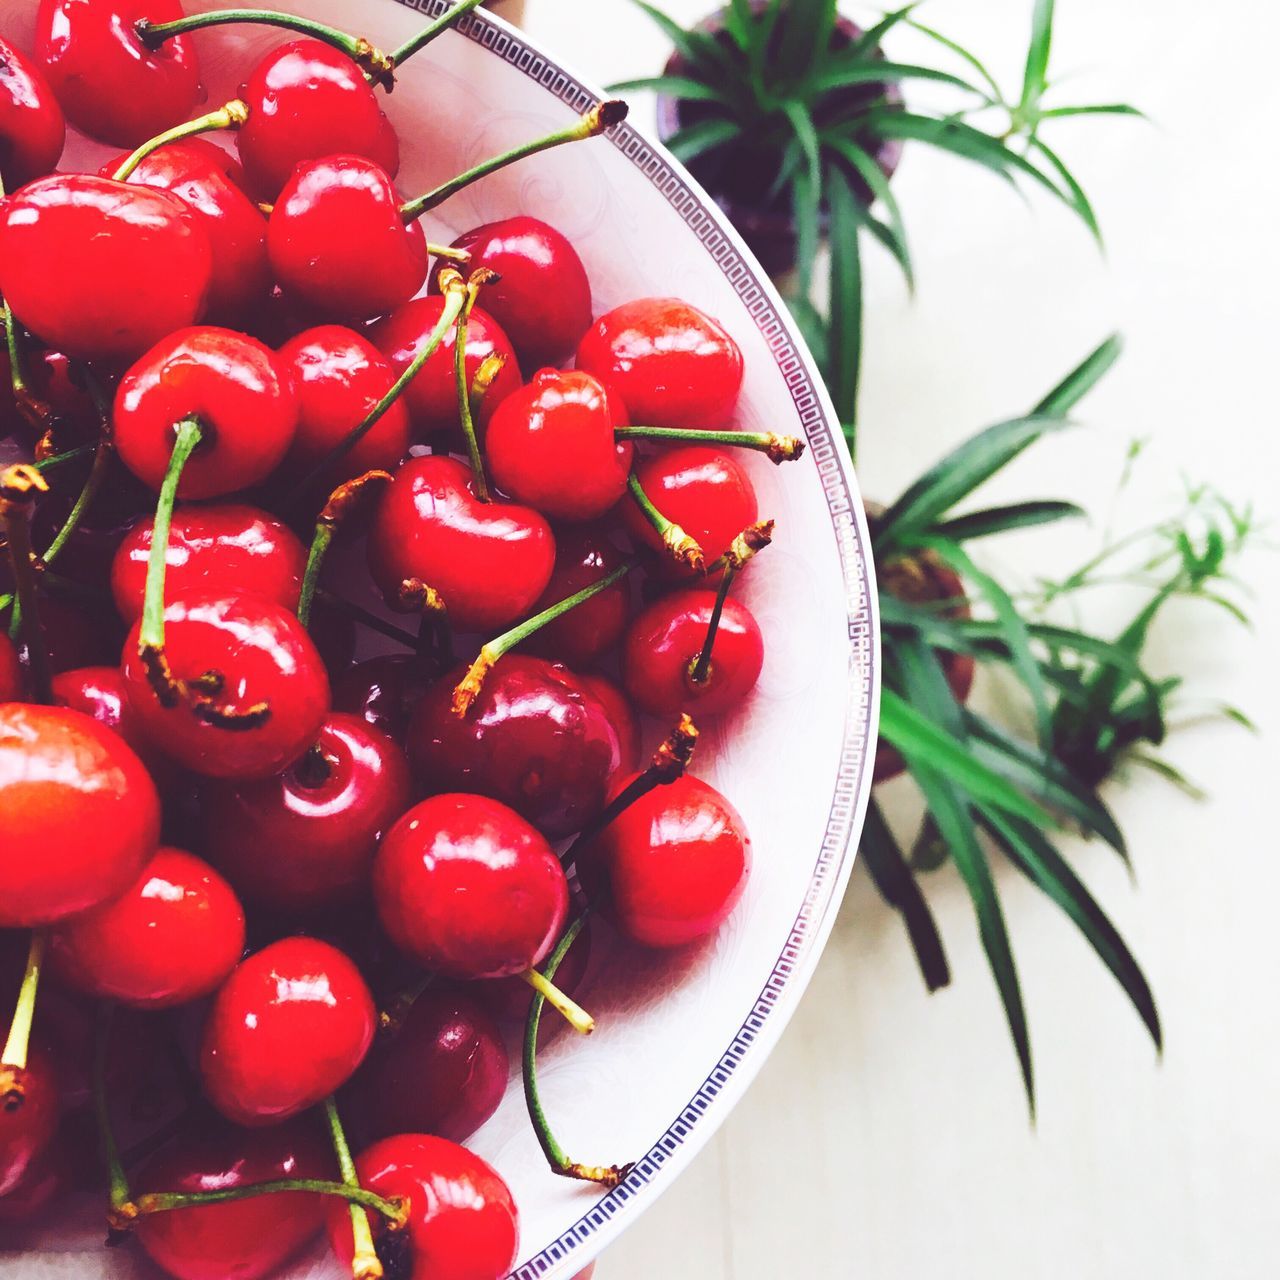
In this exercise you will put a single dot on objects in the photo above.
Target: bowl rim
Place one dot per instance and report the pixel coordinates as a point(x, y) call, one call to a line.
point(610, 1213)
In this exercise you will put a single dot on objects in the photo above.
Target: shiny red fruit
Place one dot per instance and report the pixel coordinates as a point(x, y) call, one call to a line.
point(287, 1028)
point(10, 672)
point(306, 101)
point(110, 84)
point(551, 445)
point(445, 881)
point(100, 268)
point(26, 1126)
point(305, 840)
point(488, 560)
point(32, 128)
point(51, 380)
point(382, 691)
point(463, 1223)
point(79, 814)
point(98, 692)
point(621, 715)
point(50, 1173)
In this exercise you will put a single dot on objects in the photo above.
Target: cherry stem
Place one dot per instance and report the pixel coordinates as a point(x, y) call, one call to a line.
point(365, 1264)
point(15, 1047)
point(229, 116)
point(779, 448)
point(593, 122)
point(751, 540)
point(469, 686)
point(572, 1012)
point(166, 1201)
point(321, 541)
point(680, 546)
point(367, 619)
point(396, 1009)
point(89, 491)
point(464, 391)
point(120, 1207)
point(429, 32)
point(449, 253)
point(64, 459)
point(17, 485)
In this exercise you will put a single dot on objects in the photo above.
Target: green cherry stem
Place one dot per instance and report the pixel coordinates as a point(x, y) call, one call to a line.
point(121, 1211)
point(18, 485)
point(166, 1201)
point(680, 546)
point(429, 32)
point(88, 492)
point(45, 465)
point(367, 619)
point(365, 1265)
point(478, 278)
point(778, 448)
point(14, 1053)
point(230, 116)
point(572, 1012)
point(748, 543)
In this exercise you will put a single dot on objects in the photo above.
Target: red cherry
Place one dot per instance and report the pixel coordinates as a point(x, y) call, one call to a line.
point(675, 863)
point(305, 840)
point(242, 393)
point(171, 938)
point(463, 1223)
point(79, 815)
point(308, 100)
point(98, 692)
point(432, 396)
point(26, 1126)
point(543, 299)
point(242, 1239)
point(445, 879)
point(213, 550)
point(10, 672)
point(534, 738)
point(382, 691)
point(488, 560)
point(288, 1027)
point(621, 715)
point(264, 656)
point(110, 84)
point(101, 268)
point(32, 130)
point(76, 635)
point(338, 242)
point(50, 379)
point(551, 444)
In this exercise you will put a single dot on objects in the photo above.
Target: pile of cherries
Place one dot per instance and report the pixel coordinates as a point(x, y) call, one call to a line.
point(261, 903)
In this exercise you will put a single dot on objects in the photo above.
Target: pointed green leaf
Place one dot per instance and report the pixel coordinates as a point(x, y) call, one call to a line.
point(702, 137)
point(672, 86)
point(872, 36)
point(873, 175)
point(1100, 109)
point(1018, 515)
point(997, 97)
point(844, 69)
point(1035, 79)
point(1078, 200)
point(845, 306)
point(1081, 380)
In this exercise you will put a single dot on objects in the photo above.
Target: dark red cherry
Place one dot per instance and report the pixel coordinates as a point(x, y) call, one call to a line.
point(337, 240)
point(551, 444)
point(220, 549)
point(79, 814)
point(534, 738)
point(32, 129)
point(287, 1028)
point(98, 692)
point(77, 634)
point(463, 1223)
point(305, 840)
point(28, 1113)
point(10, 672)
point(446, 877)
point(510, 998)
point(110, 84)
point(246, 1239)
point(51, 1172)
point(306, 101)
point(621, 715)
point(242, 393)
point(488, 560)
point(382, 691)
point(95, 267)
point(543, 298)
point(50, 378)
point(673, 864)
point(264, 656)
point(663, 646)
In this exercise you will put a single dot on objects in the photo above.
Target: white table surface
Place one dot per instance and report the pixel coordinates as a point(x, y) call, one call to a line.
point(887, 1136)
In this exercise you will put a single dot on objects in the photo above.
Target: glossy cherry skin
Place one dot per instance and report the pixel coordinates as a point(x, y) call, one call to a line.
point(27, 1127)
point(673, 365)
point(621, 715)
point(10, 672)
point(246, 1239)
point(488, 560)
point(305, 839)
point(221, 549)
point(287, 1028)
point(674, 864)
point(50, 378)
point(432, 396)
point(171, 938)
point(551, 445)
point(307, 100)
point(382, 691)
point(543, 297)
point(241, 391)
point(50, 1172)
point(79, 814)
point(445, 879)
point(80, 264)
point(337, 240)
point(112, 86)
point(664, 643)
point(264, 654)
point(463, 1223)
point(32, 128)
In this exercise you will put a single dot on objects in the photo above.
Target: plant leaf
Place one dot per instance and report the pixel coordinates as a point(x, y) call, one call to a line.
point(805, 197)
point(1035, 79)
point(997, 97)
point(673, 86)
point(699, 138)
point(872, 36)
point(878, 184)
point(1100, 109)
point(1079, 201)
point(1167, 771)
point(845, 307)
point(806, 35)
point(845, 69)
point(1018, 515)
point(1081, 380)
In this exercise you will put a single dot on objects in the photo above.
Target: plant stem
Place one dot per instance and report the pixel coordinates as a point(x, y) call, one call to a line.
point(120, 1207)
point(230, 116)
point(464, 391)
point(751, 540)
point(572, 1012)
point(779, 448)
point(365, 1265)
point(93, 483)
point(321, 541)
point(167, 1201)
point(17, 484)
point(429, 32)
point(681, 547)
point(15, 1046)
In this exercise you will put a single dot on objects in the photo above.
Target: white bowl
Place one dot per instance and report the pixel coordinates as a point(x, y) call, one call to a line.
point(680, 1037)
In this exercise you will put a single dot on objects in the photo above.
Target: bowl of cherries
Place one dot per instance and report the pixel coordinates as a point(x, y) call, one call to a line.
point(437, 649)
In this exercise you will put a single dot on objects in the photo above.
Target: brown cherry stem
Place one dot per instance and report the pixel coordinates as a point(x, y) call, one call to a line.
point(396, 1008)
point(486, 375)
point(753, 538)
point(365, 1263)
point(680, 546)
point(750, 541)
point(13, 1058)
point(230, 115)
point(18, 486)
point(778, 448)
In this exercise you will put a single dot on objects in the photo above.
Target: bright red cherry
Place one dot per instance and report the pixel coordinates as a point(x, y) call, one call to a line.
point(551, 444)
point(32, 129)
point(266, 660)
point(675, 863)
point(382, 691)
point(171, 938)
point(26, 1126)
point(463, 1223)
point(240, 390)
point(534, 738)
point(543, 298)
point(79, 814)
point(95, 267)
point(308, 100)
point(338, 242)
point(110, 84)
point(10, 672)
point(621, 715)
point(446, 877)
point(99, 692)
point(240, 1239)
point(305, 840)
point(287, 1028)
point(488, 560)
